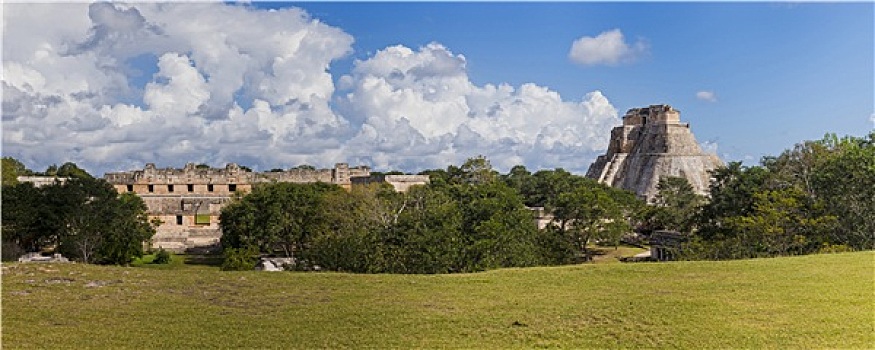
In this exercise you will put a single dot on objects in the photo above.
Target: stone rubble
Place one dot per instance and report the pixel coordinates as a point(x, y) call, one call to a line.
point(37, 257)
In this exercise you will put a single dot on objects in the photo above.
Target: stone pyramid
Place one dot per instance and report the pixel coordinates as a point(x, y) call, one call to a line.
point(652, 143)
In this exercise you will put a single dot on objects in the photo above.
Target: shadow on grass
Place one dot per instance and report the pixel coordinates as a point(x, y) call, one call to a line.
point(203, 259)
point(180, 261)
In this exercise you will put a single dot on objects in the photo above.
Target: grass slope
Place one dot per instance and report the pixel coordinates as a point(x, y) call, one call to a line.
point(820, 301)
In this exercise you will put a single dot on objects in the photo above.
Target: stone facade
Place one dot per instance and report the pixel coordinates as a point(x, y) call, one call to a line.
point(542, 217)
point(652, 143)
point(40, 181)
point(666, 245)
point(188, 201)
point(401, 183)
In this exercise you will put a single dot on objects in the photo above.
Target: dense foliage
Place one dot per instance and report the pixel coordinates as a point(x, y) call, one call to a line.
point(470, 218)
point(818, 196)
point(12, 169)
point(83, 218)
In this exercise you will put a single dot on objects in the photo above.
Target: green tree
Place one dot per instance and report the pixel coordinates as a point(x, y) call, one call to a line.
point(102, 227)
point(732, 194)
point(499, 230)
point(71, 170)
point(442, 177)
point(12, 169)
point(675, 206)
point(588, 213)
point(353, 220)
point(276, 217)
point(68, 170)
point(797, 167)
point(425, 234)
point(128, 228)
point(86, 228)
point(783, 222)
point(34, 218)
point(845, 181)
point(478, 170)
point(820, 193)
point(22, 209)
point(52, 170)
point(517, 178)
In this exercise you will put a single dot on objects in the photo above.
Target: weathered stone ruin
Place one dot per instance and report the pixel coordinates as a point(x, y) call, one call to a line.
point(40, 181)
point(37, 257)
point(188, 201)
point(652, 143)
point(401, 183)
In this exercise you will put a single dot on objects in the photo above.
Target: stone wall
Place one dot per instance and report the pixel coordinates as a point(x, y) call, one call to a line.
point(40, 181)
point(401, 183)
point(188, 201)
point(652, 143)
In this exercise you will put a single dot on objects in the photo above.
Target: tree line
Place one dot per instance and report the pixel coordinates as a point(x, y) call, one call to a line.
point(83, 218)
point(469, 218)
point(816, 197)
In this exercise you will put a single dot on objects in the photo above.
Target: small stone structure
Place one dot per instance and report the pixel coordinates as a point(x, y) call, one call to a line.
point(665, 245)
point(401, 183)
point(40, 181)
point(37, 257)
point(652, 143)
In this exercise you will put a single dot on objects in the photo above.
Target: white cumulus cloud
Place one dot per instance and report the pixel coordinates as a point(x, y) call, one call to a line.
point(418, 108)
point(225, 87)
point(112, 86)
point(709, 96)
point(609, 48)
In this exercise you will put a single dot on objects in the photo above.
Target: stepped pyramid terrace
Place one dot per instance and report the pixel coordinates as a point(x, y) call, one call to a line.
point(652, 143)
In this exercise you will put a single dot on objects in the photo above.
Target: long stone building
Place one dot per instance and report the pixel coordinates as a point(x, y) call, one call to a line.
point(652, 143)
point(188, 201)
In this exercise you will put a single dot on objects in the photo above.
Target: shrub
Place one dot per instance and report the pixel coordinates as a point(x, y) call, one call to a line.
point(240, 259)
point(827, 248)
point(162, 257)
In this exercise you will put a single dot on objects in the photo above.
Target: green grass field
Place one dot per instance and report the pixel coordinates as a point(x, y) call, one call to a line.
point(819, 301)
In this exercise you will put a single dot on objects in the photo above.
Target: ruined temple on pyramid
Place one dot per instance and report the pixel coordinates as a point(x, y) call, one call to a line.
point(652, 143)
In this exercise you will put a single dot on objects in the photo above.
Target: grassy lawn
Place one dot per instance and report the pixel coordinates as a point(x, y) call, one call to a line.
point(819, 301)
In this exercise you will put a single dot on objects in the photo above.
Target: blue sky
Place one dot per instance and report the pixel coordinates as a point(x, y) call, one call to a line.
point(782, 72)
point(420, 85)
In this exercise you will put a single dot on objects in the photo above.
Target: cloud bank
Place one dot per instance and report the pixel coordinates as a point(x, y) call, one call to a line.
point(607, 48)
point(113, 86)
